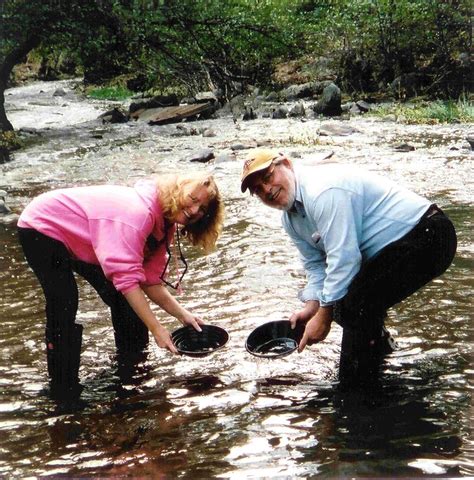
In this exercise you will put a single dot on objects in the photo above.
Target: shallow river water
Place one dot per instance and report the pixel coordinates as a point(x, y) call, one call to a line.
point(230, 415)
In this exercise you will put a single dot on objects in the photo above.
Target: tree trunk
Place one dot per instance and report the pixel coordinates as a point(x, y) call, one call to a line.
point(14, 57)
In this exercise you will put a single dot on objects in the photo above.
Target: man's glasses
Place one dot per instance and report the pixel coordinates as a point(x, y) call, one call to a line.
point(265, 179)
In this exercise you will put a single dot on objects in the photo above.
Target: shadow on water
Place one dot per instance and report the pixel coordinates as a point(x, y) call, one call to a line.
point(399, 427)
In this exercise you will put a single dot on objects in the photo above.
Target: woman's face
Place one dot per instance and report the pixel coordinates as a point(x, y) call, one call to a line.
point(193, 204)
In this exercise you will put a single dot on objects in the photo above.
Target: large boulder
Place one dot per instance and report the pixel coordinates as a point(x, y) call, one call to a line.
point(330, 102)
point(306, 90)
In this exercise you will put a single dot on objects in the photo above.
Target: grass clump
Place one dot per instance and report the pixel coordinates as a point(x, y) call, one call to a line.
point(440, 111)
point(9, 140)
point(110, 93)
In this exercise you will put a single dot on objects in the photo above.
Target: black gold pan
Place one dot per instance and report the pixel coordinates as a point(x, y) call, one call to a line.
point(274, 339)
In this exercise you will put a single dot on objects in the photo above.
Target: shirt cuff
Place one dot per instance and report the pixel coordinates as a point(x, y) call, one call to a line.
point(312, 294)
point(308, 294)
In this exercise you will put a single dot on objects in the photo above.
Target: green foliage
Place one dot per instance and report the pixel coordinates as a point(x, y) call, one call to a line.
point(209, 43)
point(110, 93)
point(447, 111)
point(381, 39)
point(203, 44)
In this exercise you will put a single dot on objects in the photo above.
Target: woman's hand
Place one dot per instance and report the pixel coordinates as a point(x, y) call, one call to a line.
point(160, 295)
point(187, 318)
point(309, 310)
point(163, 339)
point(317, 329)
point(140, 305)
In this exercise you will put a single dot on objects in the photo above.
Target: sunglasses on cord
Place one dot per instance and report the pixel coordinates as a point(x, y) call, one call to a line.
point(181, 257)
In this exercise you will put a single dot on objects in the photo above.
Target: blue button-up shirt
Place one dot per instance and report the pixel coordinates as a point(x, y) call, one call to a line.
point(343, 216)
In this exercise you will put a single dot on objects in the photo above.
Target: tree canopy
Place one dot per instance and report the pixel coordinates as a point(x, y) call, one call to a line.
point(215, 43)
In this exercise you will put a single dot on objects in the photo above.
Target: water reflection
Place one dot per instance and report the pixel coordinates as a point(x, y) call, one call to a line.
point(231, 415)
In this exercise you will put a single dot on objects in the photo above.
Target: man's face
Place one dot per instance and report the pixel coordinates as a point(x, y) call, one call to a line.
point(275, 186)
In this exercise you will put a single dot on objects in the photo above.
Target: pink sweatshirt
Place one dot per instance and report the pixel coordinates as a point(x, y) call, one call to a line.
point(107, 226)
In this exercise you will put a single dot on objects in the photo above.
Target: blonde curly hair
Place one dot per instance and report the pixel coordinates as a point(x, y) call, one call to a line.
point(206, 231)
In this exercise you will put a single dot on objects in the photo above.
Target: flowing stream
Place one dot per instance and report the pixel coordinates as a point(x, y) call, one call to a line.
point(231, 415)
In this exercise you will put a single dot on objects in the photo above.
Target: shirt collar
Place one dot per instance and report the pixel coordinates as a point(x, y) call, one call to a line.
point(298, 206)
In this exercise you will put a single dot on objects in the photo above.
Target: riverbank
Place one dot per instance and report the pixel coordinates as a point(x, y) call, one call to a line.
point(64, 135)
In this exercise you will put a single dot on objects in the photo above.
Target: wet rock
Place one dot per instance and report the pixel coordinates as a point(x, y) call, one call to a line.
point(7, 217)
point(305, 90)
point(272, 97)
point(209, 132)
point(59, 92)
point(363, 106)
point(297, 110)
point(336, 129)
point(330, 102)
point(354, 110)
point(4, 209)
point(265, 143)
point(114, 116)
point(346, 107)
point(204, 97)
point(280, 112)
point(209, 112)
point(238, 146)
point(182, 130)
point(203, 156)
point(249, 114)
point(29, 131)
point(404, 147)
point(470, 140)
point(188, 131)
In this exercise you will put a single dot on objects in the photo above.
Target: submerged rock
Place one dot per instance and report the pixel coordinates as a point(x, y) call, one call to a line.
point(404, 147)
point(336, 129)
point(202, 156)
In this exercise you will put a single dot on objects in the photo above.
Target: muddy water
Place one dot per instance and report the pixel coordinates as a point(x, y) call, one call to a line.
point(230, 415)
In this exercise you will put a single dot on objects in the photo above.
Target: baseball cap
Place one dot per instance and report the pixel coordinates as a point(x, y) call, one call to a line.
point(257, 160)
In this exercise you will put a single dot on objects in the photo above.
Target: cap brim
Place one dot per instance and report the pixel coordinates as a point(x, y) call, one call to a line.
point(245, 180)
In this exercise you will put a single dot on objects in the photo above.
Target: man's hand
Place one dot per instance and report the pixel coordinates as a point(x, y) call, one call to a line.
point(317, 328)
point(309, 310)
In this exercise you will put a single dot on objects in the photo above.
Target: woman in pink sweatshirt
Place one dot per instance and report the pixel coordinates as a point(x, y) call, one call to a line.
point(118, 238)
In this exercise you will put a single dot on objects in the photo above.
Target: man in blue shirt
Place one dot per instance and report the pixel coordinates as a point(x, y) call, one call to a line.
point(366, 244)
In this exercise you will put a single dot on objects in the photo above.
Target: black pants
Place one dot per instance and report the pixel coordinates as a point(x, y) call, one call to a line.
point(53, 265)
point(395, 273)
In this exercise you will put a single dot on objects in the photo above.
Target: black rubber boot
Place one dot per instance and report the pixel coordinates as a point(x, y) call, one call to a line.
point(360, 359)
point(63, 351)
